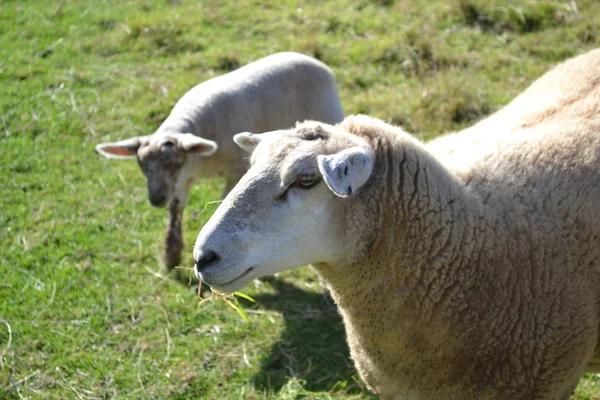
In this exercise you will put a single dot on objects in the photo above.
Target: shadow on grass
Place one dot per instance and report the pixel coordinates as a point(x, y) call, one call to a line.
point(312, 347)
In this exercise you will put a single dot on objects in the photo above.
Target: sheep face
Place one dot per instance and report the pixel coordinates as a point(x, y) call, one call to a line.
point(161, 163)
point(284, 212)
point(162, 158)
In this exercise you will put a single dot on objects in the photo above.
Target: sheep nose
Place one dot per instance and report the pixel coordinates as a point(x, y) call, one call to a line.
point(158, 200)
point(205, 258)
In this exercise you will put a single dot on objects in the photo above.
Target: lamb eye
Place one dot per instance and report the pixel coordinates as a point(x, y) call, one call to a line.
point(306, 181)
point(168, 145)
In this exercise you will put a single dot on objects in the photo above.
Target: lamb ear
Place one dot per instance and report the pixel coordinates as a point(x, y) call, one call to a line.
point(195, 144)
point(123, 149)
point(345, 172)
point(247, 141)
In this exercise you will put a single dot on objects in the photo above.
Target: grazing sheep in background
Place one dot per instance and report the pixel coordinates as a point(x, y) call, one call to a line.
point(195, 141)
point(473, 275)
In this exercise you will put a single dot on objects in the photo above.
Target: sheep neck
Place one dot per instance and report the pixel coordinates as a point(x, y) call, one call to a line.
point(415, 220)
point(418, 218)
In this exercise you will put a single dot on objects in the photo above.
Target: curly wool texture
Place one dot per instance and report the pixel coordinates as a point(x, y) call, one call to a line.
point(475, 266)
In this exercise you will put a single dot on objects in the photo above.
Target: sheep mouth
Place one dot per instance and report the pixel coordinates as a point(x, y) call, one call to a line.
point(232, 285)
point(158, 202)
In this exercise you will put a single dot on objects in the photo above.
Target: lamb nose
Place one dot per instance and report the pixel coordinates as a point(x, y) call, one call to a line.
point(205, 259)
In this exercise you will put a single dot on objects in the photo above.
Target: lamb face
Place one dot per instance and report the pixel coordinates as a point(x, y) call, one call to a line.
point(162, 159)
point(283, 212)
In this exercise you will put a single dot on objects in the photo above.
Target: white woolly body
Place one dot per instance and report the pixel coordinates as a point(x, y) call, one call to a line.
point(466, 268)
point(272, 93)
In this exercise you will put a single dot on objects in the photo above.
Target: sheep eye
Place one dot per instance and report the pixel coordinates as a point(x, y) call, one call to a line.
point(303, 182)
point(306, 181)
point(168, 145)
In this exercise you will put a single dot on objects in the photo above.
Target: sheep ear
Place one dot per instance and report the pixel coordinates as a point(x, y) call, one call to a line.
point(345, 172)
point(247, 141)
point(123, 149)
point(195, 144)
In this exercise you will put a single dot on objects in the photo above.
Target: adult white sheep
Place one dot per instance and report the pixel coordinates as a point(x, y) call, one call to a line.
point(455, 280)
point(195, 141)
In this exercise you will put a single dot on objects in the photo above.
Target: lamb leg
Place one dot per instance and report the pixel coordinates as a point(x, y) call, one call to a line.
point(174, 236)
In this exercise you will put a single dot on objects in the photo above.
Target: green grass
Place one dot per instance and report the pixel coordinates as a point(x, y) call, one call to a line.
point(86, 310)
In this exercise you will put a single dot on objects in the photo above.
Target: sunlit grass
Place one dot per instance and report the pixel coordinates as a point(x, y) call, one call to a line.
point(86, 309)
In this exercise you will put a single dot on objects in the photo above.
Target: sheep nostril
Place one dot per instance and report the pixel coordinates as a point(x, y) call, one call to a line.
point(205, 259)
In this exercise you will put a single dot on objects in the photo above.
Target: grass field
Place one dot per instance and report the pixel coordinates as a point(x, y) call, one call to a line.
point(86, 310)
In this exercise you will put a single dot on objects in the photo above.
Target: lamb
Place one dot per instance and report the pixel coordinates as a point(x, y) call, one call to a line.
point(195, 141)
point(456, 279)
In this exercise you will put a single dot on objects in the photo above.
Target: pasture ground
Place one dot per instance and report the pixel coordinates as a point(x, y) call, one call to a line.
point(86, 310)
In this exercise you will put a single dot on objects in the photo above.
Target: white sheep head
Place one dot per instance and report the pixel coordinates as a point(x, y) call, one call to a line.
point(162, 158)
point(282, 214)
